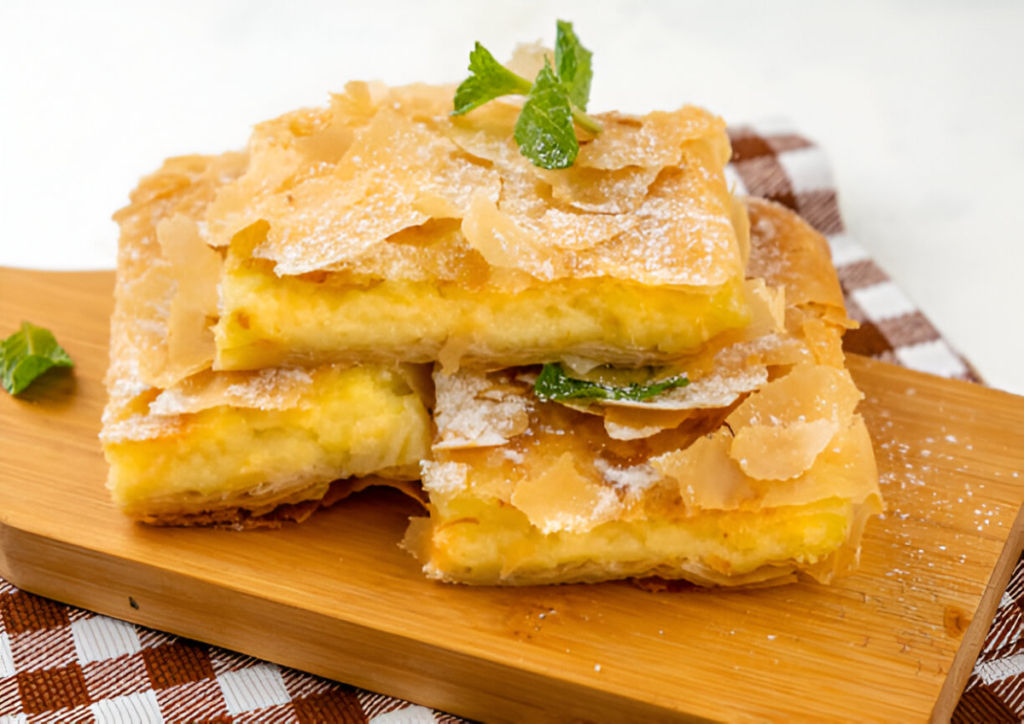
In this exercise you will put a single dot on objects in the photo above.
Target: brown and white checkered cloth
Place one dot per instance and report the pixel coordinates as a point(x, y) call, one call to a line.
point(995, 691)
point(62, 664)
point(772, 160)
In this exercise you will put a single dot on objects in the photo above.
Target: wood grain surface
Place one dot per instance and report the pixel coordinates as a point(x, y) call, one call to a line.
point(335, 596)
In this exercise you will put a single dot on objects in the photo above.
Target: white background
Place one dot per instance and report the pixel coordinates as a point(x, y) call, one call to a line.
point(919, 104)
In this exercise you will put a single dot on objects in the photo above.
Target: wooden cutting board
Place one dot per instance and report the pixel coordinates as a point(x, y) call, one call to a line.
point(336, 597)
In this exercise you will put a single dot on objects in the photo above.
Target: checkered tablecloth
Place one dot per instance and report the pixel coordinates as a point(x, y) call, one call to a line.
point(995, 691)
point(61, 664)
point(774, 161)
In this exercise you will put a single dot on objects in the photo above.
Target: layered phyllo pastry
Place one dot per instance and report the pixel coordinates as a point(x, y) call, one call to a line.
point(744, 463)
point(598, 361)
point(188, 445)
point(381, 228)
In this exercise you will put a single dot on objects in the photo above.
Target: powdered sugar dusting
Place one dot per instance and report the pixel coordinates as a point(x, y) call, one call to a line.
point(141, 427)
point(607, 508)
point(640, 204)
point(474, 411)
point(719, 389)
point(634, 479)
point(444, 478)
point(267, 389)
point(397, 174)
point(685, 236)
point(515, 456)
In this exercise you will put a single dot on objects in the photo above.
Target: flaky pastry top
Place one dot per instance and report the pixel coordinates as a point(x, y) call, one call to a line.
point(161, 346)
point(383, 183)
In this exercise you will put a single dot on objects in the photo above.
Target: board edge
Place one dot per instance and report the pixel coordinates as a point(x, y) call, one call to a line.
point(424, 673)
point(977, 631)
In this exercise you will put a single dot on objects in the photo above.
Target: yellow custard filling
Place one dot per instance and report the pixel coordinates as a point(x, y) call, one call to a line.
point(269, 320)
point(352, 422)
point(526, 492)
point(479, 532)
point(485, 544)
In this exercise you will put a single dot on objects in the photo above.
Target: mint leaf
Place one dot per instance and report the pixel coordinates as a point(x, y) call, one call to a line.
point(572, 61)
point(544, 129)
point(554, 384)
point(27, 354)
point(489, 80)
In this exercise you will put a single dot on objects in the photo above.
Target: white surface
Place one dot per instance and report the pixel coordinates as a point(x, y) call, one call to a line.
point(920, 105)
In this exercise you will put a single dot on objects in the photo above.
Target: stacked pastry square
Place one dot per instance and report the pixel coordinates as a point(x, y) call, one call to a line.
point(633, 373)
point(190, 445)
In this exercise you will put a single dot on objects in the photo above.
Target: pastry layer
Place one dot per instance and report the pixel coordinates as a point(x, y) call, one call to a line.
point(560, 501)
point(339, 423)
point(756, 471)
point(380, 228)
point(187, 445)
point(276, 321)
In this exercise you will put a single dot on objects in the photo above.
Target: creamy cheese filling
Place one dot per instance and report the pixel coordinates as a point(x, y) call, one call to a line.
point(267, 321)
point(351, 422)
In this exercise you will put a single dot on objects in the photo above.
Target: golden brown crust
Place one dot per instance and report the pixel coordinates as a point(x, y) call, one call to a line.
point(340, 188)
point(268, 511)
point(787, 251)
point(158, 381)
point(444, 225)
point(147, 292)
point(791, 447)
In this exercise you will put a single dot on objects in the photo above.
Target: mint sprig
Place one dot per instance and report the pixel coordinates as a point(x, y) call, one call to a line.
point(554, 384)
point(490, 80)
point(572, 61)
point(27, 354)
point(555, 100)
point(544, 129)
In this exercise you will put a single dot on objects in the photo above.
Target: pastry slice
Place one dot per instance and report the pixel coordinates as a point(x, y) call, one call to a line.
point(381, 228)
point(187, 445)
point(716, 484)
point(797, 316)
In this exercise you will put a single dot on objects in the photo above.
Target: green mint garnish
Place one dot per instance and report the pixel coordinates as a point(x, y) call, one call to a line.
point(27, 354)
point(554, 384)
point(490, 80)
point(544, 129)
point(572, 61)
point(554, 100)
